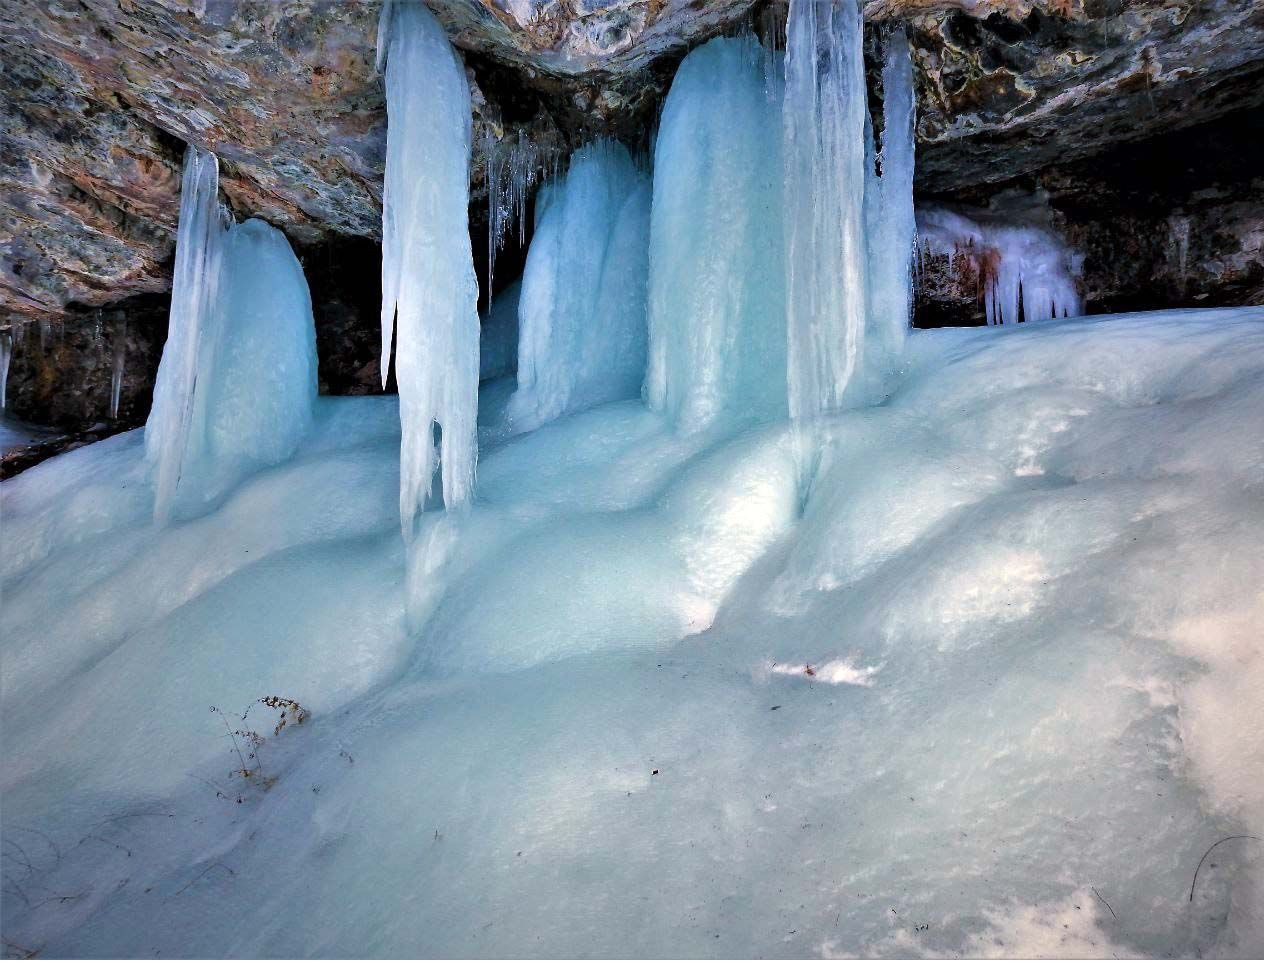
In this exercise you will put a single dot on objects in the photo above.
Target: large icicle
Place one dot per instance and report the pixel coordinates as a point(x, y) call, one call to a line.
point(429, 290)
point(199, 241)
point(824, 123)
point(891, 223)
point(581, 315)
point(717, 281)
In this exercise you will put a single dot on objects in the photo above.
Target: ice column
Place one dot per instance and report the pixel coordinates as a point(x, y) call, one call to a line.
point(581, 314)
point(199, 241)
point(717, 282)
point(824, 129)
point(429, 290)
point(892, 226)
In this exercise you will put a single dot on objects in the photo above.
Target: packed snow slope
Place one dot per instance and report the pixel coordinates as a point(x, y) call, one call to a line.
point(991, 688)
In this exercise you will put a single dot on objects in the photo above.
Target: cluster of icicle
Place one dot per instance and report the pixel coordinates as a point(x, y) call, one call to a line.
point(772, 242)
point(12, 337)
point(429, 289)
point(1024, 271)
point(513, 167)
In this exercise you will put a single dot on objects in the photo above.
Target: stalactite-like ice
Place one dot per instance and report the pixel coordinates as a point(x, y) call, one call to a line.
point(824, 120)
point(199, 242)
point(429, 290)
point(581, 315)
point(512, 169)
point(716, 282)
point(1020, 262)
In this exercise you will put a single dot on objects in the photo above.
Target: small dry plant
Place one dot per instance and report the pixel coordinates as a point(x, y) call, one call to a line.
point(247, 742)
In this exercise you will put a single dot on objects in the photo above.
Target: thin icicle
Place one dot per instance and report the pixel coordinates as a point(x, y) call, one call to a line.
point(824, 129)
point(116, 368)
point(429, 290)
point(199, 243)
point(512, 169)
point(6, 356)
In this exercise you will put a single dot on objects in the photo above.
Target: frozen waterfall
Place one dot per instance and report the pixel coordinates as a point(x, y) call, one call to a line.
point(429, 291)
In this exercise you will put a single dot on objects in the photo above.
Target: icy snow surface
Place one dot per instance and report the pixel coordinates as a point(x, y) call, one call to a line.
point(995, 691)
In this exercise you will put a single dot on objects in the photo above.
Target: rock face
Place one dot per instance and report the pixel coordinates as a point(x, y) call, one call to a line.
point(101, 95)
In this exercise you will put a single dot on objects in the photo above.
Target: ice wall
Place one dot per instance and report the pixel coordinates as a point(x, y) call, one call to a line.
point(190, 332)
point(717, 317)
point(824, 125)
point(889, 206)
point(429, 291)
point(1019, 260)
point(581, 314)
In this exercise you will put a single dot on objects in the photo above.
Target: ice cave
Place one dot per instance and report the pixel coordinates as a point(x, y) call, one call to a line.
point(632, 478)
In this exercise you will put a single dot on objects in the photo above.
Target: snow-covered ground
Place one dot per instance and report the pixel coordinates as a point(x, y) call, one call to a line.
point(993, 689)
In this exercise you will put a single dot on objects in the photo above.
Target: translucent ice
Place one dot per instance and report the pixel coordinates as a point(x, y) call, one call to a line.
point(581, 314)
point(429, 291)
